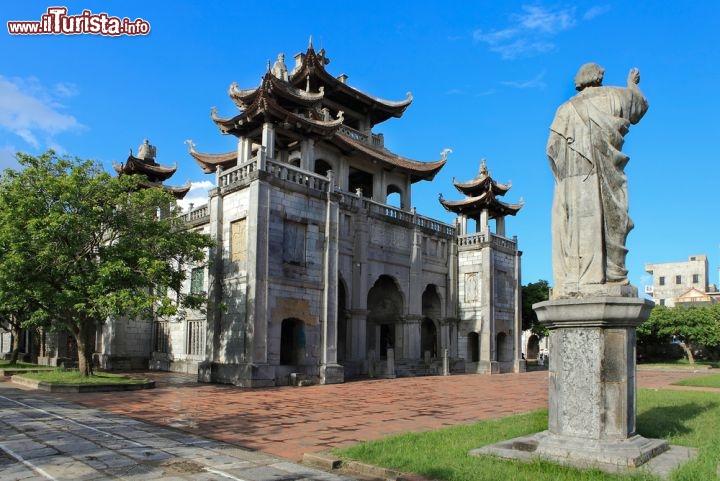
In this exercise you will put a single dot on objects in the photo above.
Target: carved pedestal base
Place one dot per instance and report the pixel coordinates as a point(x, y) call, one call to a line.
point(591, 412)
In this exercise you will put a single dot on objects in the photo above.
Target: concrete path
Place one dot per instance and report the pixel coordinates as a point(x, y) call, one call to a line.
point(291, 421)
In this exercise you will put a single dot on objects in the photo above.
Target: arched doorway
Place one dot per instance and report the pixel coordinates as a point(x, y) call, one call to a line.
point(431, 311)
point(385, 308)
point(292, 342)
point(428, 337)
point(533, 347)
point(393, 196)
point(322, 167)
point(473, 350)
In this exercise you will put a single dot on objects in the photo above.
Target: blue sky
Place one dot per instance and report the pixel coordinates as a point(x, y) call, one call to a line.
point(486, 78)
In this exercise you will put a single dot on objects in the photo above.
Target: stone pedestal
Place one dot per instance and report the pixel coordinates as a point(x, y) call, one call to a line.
point(592, 387)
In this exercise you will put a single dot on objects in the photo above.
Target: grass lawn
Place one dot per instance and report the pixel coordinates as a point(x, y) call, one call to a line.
point(19, 365)
point(73, 377)
point(683, 418)
point(680, 363)
point(711, 380)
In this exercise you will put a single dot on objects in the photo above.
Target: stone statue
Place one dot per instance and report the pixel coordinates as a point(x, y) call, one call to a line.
point(590, 220)
point(279, 69)
point(146, 151)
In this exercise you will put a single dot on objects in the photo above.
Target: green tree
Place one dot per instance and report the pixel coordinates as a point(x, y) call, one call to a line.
point(532, 293)
point(692, 327)
point(91, 246)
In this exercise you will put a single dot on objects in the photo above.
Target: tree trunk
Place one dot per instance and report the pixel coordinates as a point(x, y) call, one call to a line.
point(84, 348)
point(688, 351)
point(16, 337)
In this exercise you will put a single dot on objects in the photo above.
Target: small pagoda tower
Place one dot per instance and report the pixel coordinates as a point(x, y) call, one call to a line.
point(155, 174)
point(488, 277)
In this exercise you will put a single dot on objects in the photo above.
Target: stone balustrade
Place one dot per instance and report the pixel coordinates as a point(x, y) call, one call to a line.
point(238, 173)
point(480, 238)
point(472, 239)
point(198, 214)
point(297, 175)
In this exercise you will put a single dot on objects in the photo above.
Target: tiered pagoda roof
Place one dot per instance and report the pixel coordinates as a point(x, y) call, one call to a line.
point(481, 193)
point(310, 102)
point(154, 174)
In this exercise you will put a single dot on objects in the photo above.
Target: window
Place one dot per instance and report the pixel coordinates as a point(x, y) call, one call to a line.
point(662, 280)
point(678, 279)
point(197, 280)
point(696, 278)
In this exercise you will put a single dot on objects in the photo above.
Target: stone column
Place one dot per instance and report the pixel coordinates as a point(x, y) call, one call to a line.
point(519, 365)
point(268, 139)
point(487, 362)
point(357, 336)
point(500, 226)
point(592, 381)
point(411, 337)
point(307, 154)
point(257, 272)
point(483, 222)
point(330, 371)
point(244, 149)
point(213, 326)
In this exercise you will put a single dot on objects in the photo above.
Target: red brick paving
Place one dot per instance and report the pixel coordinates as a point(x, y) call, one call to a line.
point(290, 421)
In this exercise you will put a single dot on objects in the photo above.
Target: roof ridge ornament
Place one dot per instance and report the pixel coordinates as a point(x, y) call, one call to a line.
point(483, 168)
point(445, 152)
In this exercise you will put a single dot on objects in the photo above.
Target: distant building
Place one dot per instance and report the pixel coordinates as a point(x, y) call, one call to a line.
point(681, 282)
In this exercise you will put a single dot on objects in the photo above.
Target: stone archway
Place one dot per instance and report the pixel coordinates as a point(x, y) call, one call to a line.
point(428, 338)
point(533, 347)
point(473, 354)
point(385, 307)
point(322, 167)
point(431, 311)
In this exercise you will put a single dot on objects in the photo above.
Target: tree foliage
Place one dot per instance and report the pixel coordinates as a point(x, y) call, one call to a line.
point(693, 328)
point(79, 245)
point(532, 293)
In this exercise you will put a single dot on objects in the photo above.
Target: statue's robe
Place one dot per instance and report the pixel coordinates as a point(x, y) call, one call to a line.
point(590, 220)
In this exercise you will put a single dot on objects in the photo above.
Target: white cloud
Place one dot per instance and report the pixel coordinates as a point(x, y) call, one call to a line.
point(197, 196)
point(537, 18)
point(535, 83)
point(596, 12)
point(31, 113)
point(530, 32)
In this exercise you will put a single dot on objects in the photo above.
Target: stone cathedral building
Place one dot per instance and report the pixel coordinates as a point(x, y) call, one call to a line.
point(315, 276)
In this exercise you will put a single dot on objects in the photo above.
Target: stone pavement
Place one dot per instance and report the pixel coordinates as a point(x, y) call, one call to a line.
point(285, 421)
point(47, 438)
point(291, 421)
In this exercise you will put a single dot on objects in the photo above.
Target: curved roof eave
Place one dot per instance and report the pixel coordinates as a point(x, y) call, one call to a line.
point(417, 170)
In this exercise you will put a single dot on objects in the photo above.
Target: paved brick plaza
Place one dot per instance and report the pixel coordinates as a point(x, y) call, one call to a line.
point(290, 421)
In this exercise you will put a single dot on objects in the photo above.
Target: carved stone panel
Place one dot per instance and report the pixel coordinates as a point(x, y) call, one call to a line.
point(472, 286)
point(238, 240)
